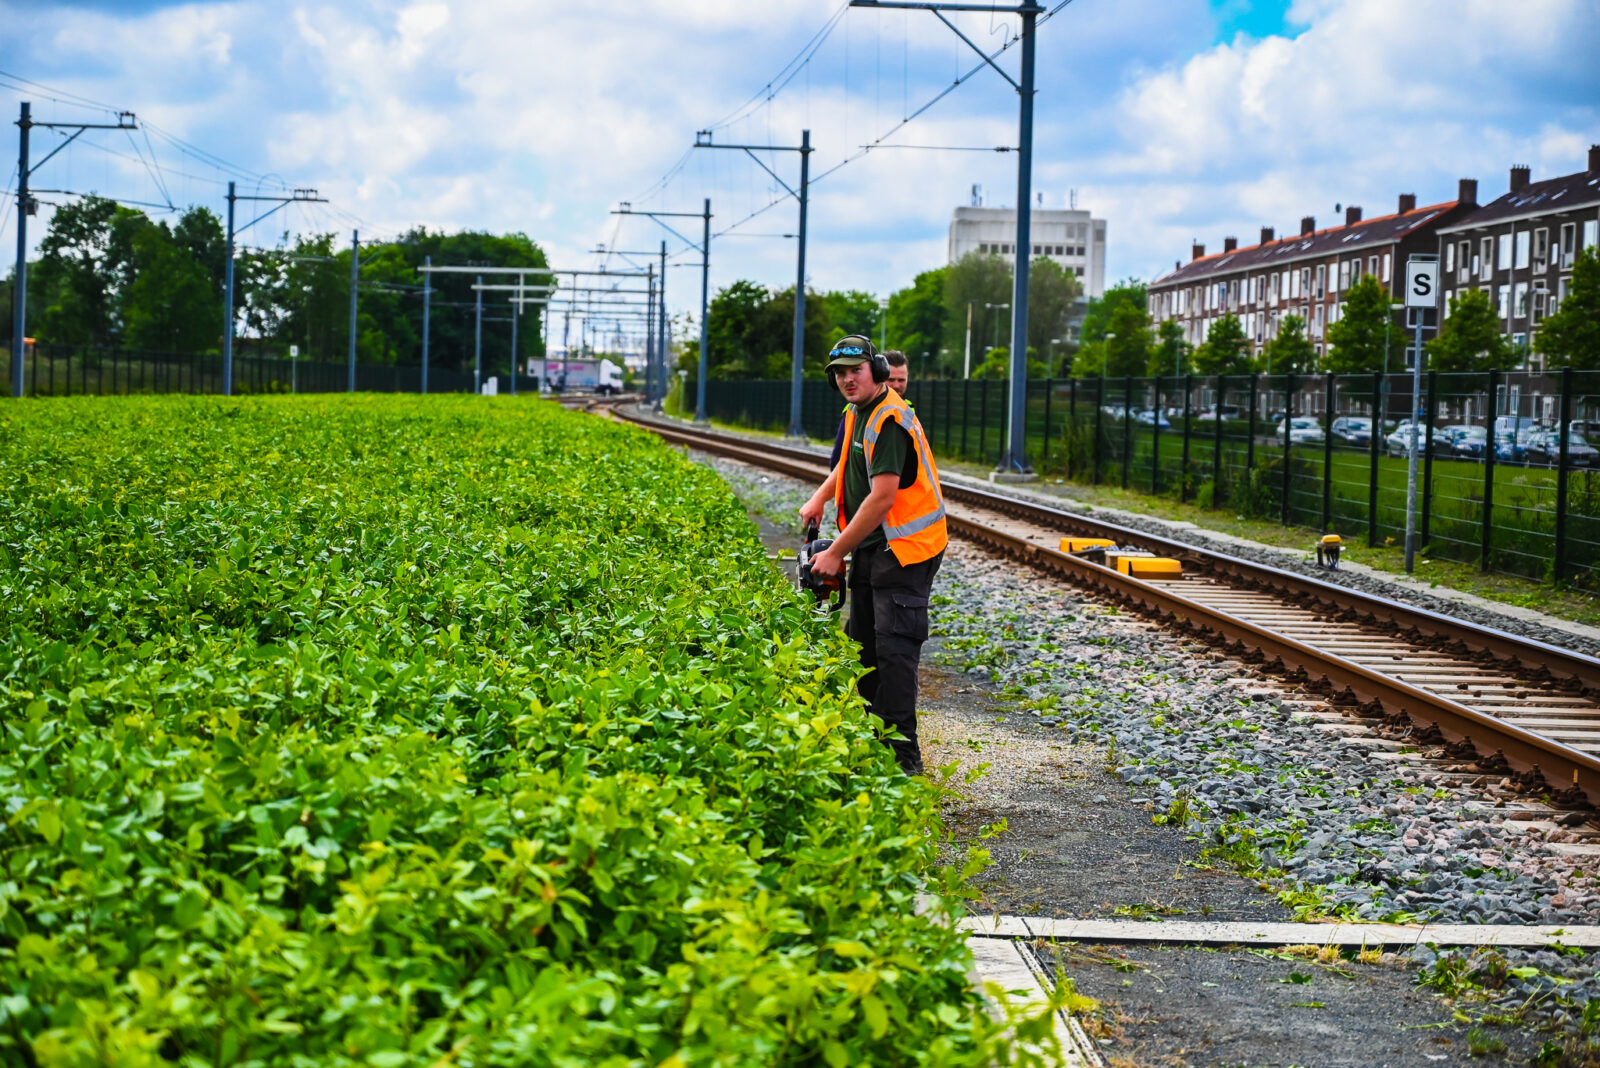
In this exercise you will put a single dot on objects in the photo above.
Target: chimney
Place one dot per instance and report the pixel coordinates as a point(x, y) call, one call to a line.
point(1594, 159)
point(1467, 192)
point(1352, 215)
point(1266, 235)
point(1199, 251)
point(1308, 225)
point(1521, 174)
point(1229, 244)
point(1408, 202)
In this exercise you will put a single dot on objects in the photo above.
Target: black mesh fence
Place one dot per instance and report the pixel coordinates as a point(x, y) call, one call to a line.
point(1323, 452)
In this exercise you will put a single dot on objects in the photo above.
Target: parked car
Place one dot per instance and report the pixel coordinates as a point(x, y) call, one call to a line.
point(1352, 430)
point(1303, 430)
point(1146, 417)
point(1468, 442)
point(1510, 446)
point(1226, 411)
point(1398, 443)
point(1544, 447)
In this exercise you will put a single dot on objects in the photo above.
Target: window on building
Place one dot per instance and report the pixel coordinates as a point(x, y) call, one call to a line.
point(1321, 277)
point(1344, 275)
point(1465, 250)
point(1524, 239)
point(1316, 320)
point(1560, 294)
point(1569, 239)
point(1372, 265)
point(1386, 256)
point(1502, 259)
point(1502, 300)
point(1541, 249)
point(1591, 233)
point(1449, 295)
point(1449, 257)
point(1536, 308)
point(1486, 257)
point(1520, 300)
point(1078, 271)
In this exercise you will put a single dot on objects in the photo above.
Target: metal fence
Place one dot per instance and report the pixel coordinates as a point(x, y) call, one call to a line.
point(1324, 452)
point(75, 370)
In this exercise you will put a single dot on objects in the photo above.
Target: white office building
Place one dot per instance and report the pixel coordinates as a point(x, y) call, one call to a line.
point(1071, 238)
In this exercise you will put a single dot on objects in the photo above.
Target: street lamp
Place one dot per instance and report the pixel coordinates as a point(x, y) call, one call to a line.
point(996, 322)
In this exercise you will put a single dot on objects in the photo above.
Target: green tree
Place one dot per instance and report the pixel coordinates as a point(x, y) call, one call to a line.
point(1053, 293)
point(997, 364)
point(1571, 337)
point(1097, 323)
point(1290, 352)
point(738, 349)
point(1170, 354)
point(1357, 340)
point(1470, 339)
point(170, 304)
point(917, 317)
point(1127, 341)
point(976, 279)
point(199, 232)
point(1225, 351)
point(85, 264)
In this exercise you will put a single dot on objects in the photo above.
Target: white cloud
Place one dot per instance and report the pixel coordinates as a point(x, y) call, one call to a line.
point(540, 117)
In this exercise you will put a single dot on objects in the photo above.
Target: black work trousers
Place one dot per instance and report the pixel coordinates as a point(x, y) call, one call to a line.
point(889, 617)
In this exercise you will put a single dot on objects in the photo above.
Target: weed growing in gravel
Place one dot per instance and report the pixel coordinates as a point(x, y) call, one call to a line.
point(1481, 1043)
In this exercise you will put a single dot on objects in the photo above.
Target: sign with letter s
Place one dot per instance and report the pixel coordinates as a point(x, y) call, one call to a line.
point(1422, 282)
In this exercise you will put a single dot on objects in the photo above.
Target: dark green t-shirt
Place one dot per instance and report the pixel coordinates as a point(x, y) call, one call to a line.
point(892, 454)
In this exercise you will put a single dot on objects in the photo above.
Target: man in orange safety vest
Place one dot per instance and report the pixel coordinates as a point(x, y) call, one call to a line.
point(891, 517)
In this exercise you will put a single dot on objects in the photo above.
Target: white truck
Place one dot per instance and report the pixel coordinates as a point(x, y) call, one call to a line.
point(582, 375)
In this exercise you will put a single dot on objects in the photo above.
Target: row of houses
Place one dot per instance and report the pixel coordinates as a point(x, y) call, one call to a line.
point(1519, 249)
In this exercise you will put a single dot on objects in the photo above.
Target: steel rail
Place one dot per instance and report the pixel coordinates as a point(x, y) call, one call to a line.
point(1532, 755)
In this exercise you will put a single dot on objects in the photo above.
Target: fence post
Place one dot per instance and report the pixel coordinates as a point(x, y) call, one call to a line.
point(1183, 471)
point(1426, 506)
point(1327, 458)
point(1127, 427)
point(1250, 434)
point(1099, 424)
point(967, 405)
point(1288, 439)
point(1217, 493)
point(1372, 464)
point(1049, 388)
point(1564, 406)
point(1155, 441)
point(1072, 422)
point(983, 418)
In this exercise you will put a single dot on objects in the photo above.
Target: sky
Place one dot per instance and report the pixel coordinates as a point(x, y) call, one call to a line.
point(1174, 120)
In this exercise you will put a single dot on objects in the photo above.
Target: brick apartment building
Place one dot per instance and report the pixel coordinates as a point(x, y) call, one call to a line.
point(1306, 274)
point(1520, 248)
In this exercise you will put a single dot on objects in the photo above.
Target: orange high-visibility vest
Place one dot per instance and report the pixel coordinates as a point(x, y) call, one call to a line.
point(915, 525)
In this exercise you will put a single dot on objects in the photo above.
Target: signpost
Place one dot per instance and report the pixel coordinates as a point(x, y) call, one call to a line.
point(294, 368)
point(1422, 293)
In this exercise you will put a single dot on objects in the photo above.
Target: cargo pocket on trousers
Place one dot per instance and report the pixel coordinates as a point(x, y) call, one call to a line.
point(909, 618)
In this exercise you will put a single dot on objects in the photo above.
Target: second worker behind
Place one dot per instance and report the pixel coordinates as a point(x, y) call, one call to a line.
point(891, 516)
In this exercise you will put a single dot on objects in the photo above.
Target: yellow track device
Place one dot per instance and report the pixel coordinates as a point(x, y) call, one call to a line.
point(1078, 545)
point(1147, 567)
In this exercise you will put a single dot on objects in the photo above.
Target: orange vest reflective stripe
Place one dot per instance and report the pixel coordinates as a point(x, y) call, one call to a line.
point(915, 525)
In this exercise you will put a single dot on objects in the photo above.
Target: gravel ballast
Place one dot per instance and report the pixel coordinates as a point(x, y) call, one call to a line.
point(1224, 762)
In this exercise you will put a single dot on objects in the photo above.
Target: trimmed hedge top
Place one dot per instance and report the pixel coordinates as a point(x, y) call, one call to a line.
point(397, 730)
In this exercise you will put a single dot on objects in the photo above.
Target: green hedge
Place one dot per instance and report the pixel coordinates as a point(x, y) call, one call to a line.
point(398, 730)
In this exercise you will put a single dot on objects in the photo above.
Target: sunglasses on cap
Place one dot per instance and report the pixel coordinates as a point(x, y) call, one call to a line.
point(848, 350)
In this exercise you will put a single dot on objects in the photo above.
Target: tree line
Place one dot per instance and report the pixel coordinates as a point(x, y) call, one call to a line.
point(1119, 339)
point(751, 327)
point(110, 277)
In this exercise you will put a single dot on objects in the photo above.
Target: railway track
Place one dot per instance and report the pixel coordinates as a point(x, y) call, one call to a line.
point(1492, 700)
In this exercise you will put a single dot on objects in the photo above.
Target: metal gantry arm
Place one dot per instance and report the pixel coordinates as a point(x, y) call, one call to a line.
point(296, 196)
point(26, 206)
point(704, 248)
point(1015, 460)
point(702, 139)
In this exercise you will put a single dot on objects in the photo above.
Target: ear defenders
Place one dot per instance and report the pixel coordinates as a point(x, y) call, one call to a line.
point(860, 345)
